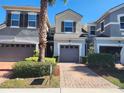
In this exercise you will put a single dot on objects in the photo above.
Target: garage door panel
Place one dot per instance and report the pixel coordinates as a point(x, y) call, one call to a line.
point(69, 54)
point(15, 53)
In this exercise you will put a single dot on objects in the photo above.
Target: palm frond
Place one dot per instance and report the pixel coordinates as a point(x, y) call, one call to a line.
point(51, 2)
point(65, 1)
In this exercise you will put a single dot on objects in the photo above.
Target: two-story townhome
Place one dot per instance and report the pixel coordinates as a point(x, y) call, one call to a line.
point(108, 32)
point(19, 34)
point(69, 43)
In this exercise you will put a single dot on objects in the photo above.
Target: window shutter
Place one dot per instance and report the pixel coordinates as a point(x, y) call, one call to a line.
point(38, 16)
point(74, 25)
point(21, 20)
point(62, 26)
point(8, 23)
point(26, 20)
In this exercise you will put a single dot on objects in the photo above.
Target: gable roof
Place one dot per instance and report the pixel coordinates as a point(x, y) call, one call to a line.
point(71, 11)
point(111, 11)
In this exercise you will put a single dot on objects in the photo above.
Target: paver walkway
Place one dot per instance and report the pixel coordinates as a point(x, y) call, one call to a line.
point(79, 76)
point(5, 70)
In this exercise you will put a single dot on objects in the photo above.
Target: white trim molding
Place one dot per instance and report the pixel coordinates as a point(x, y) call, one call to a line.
point(91, 24)
point(15, 12)
point(110, 38)
point(32, 13)
point(99, 45)
point(110, 23)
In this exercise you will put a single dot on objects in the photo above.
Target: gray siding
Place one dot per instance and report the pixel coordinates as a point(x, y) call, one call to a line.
point(115, 31)
point(112, 30)
point(113, 16)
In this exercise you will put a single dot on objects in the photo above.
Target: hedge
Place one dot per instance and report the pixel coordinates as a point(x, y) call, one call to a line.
point(35, 59)
point(101, 60)
point(31, 69)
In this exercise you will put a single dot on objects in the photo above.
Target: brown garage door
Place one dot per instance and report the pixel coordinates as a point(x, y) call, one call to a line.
point(15, 52)
point(69, 53)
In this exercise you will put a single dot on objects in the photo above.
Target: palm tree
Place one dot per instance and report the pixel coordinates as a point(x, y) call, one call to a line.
point(43, 28)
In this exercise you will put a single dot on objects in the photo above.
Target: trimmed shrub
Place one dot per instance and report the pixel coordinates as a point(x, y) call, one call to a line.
point(35, 59)
point(36, 53)
point(31, 69)
point(31, 59)
point(50, 60)
point(85, 60)
point(101, 60)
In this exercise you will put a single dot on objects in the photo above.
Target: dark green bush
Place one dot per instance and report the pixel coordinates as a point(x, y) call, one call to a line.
point(56, 57)
point(101, 60)
point(85, 60)
point(31, 69)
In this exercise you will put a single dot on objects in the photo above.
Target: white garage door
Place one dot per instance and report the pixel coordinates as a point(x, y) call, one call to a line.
point(15, 52)
point(69, 53)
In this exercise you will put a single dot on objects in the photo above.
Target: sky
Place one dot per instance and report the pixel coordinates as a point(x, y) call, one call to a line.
point(91, 10)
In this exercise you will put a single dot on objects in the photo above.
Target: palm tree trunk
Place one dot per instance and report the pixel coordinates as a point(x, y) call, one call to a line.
point(43, 30)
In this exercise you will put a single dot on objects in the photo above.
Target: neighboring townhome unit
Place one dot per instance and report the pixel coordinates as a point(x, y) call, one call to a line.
point(69, 42)
point(109, 33)
point(19, 34)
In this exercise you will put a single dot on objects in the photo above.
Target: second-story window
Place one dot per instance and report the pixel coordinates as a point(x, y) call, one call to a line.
point(15, 19)
point(92, 30)
point(68, 26)
point(32, 20)
point(102, 26)
point(122, 22)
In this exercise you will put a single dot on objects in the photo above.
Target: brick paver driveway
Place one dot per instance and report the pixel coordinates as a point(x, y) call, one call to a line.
point(79, 76)
point(5, 70)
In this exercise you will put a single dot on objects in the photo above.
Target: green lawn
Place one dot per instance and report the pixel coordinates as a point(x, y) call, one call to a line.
point(115, 76)
point(43, 82)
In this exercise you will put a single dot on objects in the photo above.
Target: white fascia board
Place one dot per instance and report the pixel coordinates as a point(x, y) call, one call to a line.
point(15, 12)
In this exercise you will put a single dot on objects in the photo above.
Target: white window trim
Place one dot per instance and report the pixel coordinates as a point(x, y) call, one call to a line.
point(15, 12)
point(92, 30)
point(118, 17)
point(35, 14)
point(66, 26)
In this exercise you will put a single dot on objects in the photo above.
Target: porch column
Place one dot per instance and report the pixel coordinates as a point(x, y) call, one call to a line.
point(122, 55)
point(37, 47)
point(97, 49)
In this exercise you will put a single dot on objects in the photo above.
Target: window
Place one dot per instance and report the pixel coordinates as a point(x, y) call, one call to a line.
point(102, 26)
point(92, 30)
point(15, 18)
point(32, 18)
point(122, 22)
point(68, 27)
